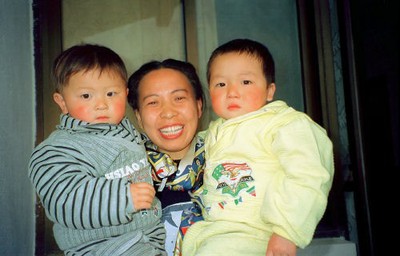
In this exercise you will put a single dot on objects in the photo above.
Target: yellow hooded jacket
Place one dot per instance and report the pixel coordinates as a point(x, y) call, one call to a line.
point(269, 171)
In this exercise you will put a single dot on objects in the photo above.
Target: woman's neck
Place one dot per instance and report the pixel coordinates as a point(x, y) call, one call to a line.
point(177, 155)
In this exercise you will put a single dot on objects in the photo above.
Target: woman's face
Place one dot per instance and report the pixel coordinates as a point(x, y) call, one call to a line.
point(168, 111)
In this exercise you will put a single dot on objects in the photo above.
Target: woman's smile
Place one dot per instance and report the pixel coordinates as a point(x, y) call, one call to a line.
point(171, 132)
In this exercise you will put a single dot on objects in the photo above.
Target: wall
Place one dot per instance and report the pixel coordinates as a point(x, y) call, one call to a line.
point(16, 128)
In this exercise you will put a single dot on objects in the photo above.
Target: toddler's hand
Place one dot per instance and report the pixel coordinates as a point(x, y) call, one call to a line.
point(278, 246)
point(142, 195)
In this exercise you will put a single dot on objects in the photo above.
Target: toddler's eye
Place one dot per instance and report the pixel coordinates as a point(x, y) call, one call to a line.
point(110, 94)
point(246, 82)
point(85, 96)
point(220, 85)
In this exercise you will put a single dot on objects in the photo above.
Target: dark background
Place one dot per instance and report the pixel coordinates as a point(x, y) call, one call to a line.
point(372, 98)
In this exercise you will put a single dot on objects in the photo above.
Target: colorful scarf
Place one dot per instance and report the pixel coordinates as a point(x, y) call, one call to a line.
point(185, 175)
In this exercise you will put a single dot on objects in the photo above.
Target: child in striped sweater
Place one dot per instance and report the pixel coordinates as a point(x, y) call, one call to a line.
point(92, 174)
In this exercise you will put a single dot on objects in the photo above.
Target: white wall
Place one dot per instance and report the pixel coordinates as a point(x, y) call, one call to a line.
point(17, 128)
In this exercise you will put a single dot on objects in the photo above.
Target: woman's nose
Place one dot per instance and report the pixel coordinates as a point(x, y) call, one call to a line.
point(168, 112)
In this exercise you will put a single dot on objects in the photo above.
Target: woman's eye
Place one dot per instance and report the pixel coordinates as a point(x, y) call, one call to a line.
point(151, 103)
point(180, 98)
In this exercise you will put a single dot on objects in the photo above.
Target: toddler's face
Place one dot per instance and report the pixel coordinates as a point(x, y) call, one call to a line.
point(238, 85)
point(94, 97)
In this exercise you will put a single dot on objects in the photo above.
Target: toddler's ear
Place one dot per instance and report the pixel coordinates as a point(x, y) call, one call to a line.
point(58, 98)
point(270, 91)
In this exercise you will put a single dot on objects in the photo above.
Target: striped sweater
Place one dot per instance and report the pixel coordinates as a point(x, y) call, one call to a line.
point(81, 174)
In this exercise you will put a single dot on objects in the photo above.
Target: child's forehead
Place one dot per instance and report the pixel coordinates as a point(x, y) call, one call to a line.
point(98, 72)
point(240, 59)
point(240, 56)
point(93, 76)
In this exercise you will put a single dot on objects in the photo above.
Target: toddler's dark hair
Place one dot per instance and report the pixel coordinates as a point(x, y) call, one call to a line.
point(85, 57)
point(250, 47)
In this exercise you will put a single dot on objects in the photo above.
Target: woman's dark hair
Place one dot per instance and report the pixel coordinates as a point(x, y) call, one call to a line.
point(185, 68)
point(250, 47)
point(85, 57)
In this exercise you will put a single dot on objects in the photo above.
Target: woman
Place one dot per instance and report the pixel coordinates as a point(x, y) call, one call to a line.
point(167, 98)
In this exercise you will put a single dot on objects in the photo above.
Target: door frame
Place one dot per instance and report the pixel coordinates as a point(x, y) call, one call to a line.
point(318, 83)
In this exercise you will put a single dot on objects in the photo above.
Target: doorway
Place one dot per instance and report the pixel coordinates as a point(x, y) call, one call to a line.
point(189, 30)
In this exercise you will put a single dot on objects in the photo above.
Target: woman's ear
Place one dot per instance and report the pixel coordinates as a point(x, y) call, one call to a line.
point(200, 107)
point(138, 119)
point(59, 99)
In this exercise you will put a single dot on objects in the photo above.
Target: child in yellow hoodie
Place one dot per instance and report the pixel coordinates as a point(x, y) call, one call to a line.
point(269, 168)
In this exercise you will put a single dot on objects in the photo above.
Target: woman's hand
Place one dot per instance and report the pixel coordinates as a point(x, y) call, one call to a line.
point(142, 195)
point(280, 246)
